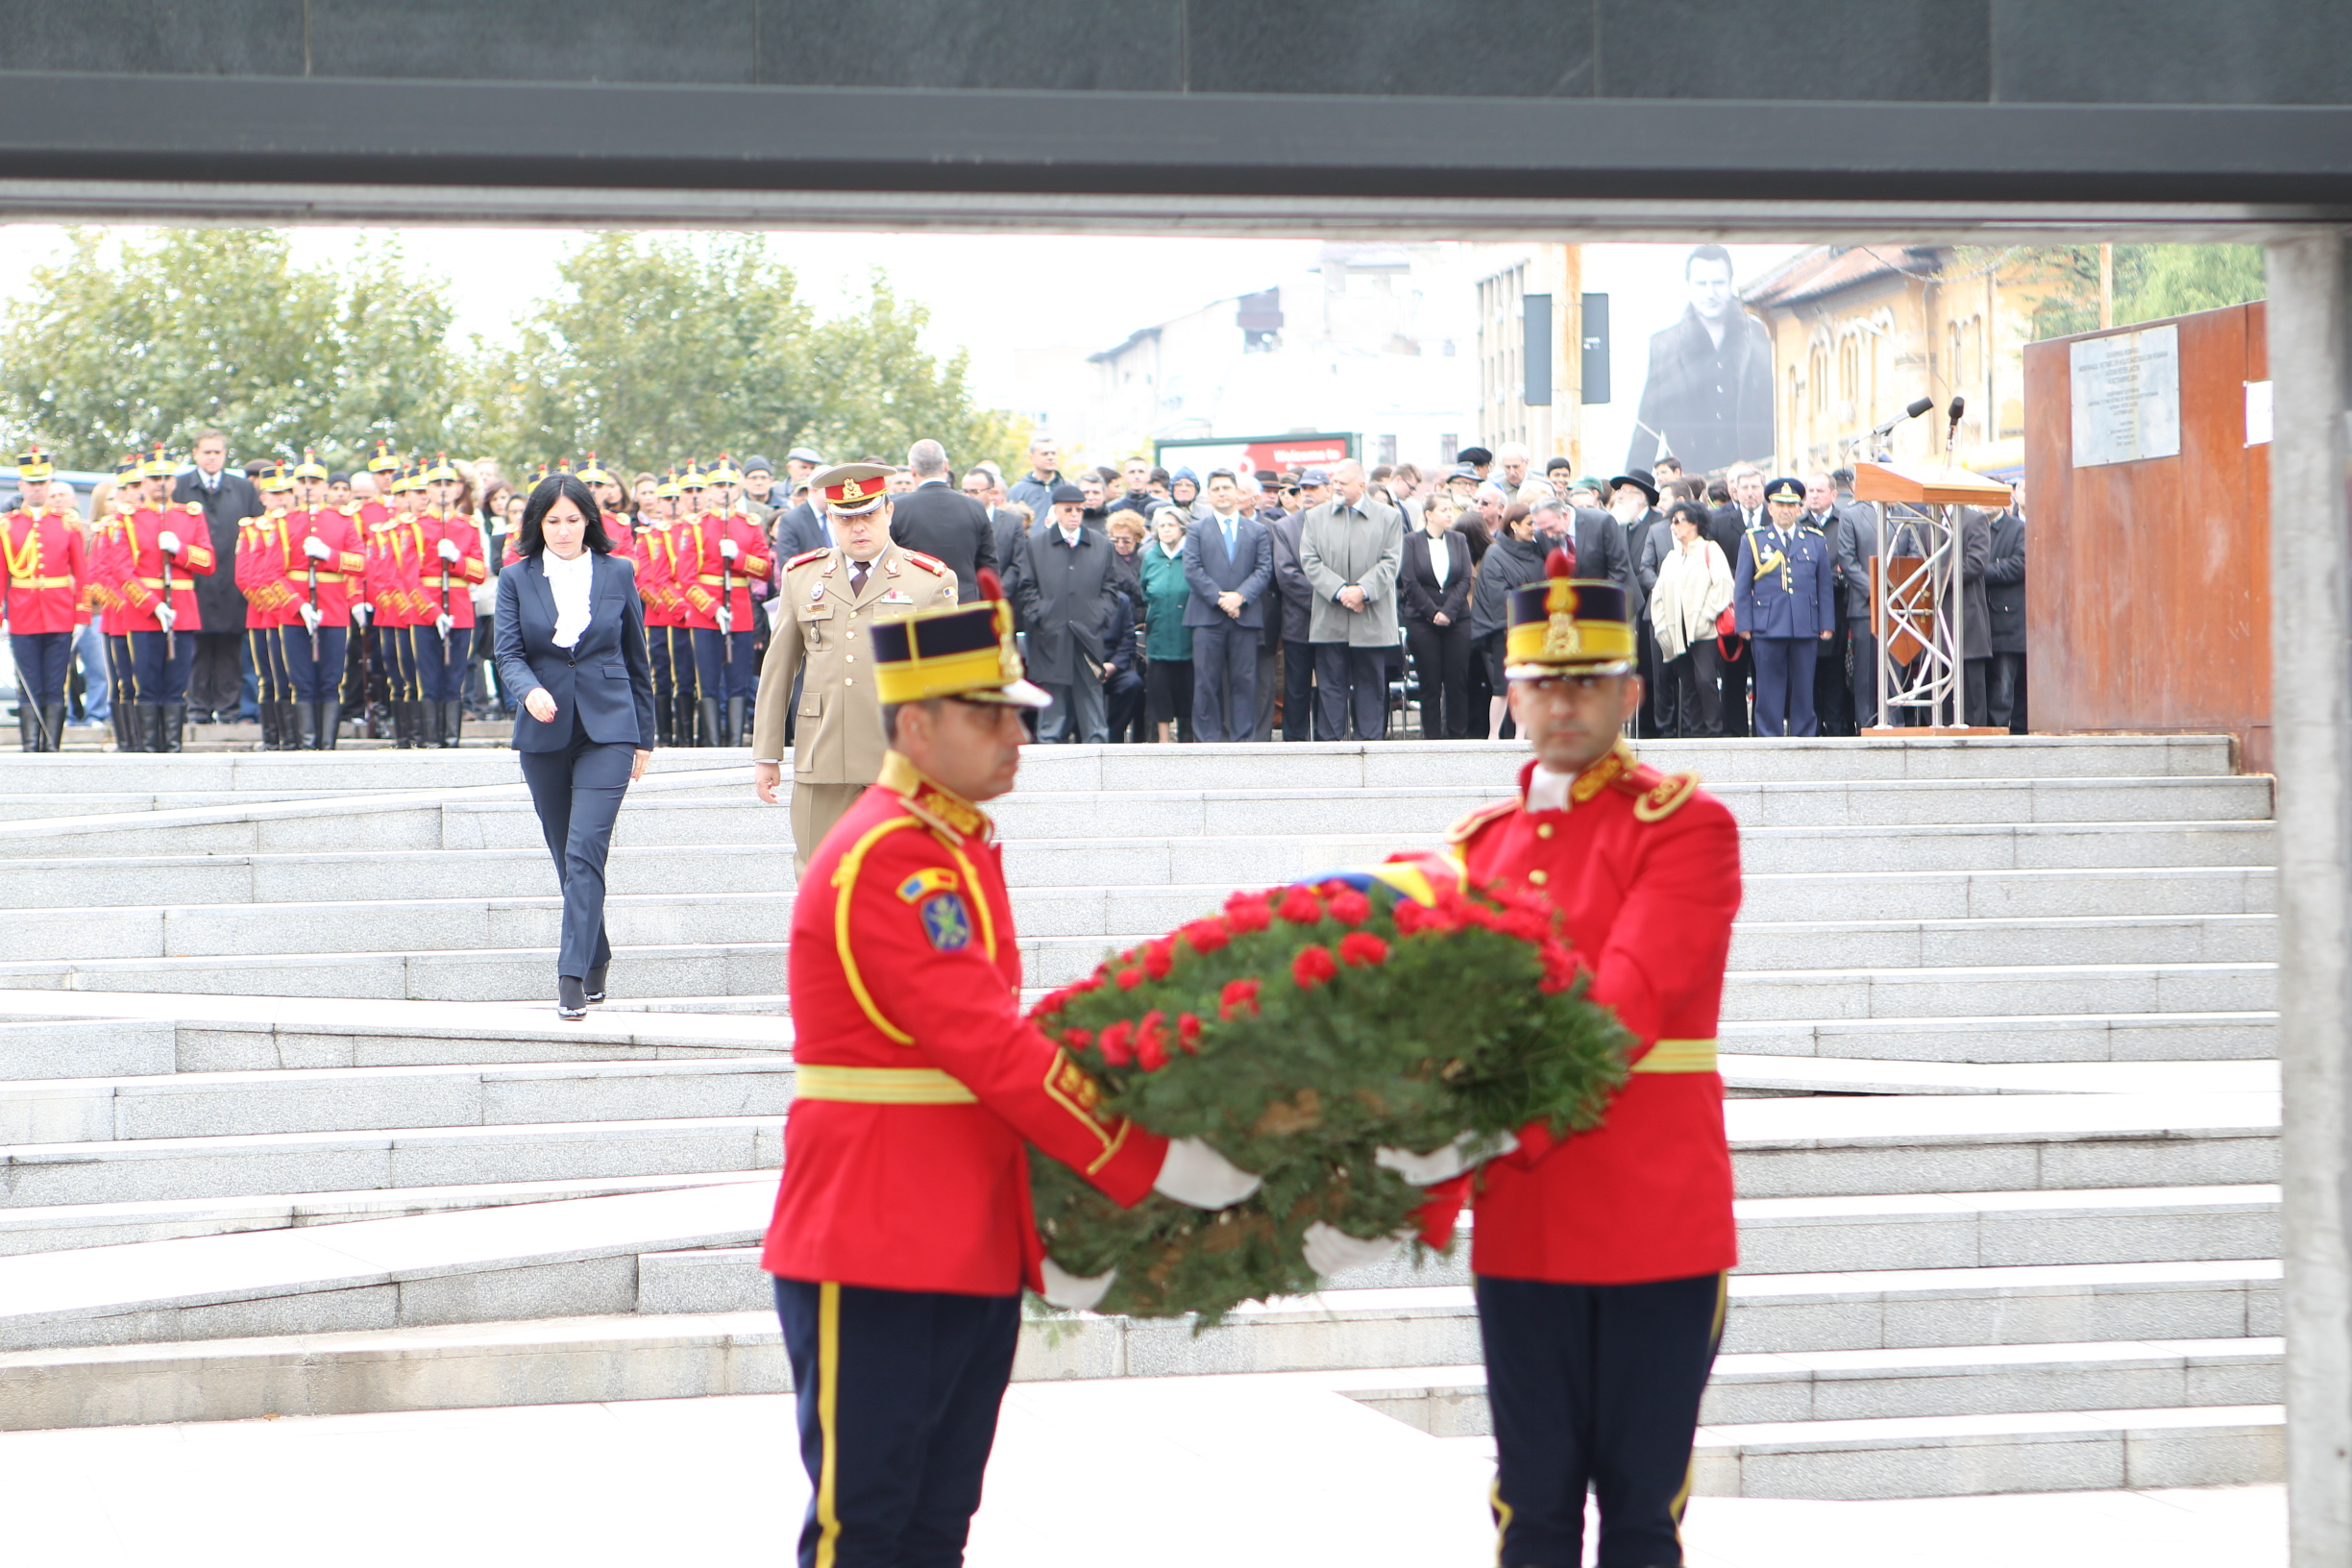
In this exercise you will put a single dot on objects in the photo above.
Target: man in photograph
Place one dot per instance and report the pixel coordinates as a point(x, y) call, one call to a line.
point(1708, 394)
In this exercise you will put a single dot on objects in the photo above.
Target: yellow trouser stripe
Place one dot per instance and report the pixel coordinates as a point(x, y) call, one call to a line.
point(828, 1405)
point(879, 1086)
point(1503, 1518)
point(1679, 1056)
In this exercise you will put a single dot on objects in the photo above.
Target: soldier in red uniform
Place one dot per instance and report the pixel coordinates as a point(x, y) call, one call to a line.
point(902, 1233)
point(449, 553)
point(665, 605)
point(157, 553)
point(106, 594)
point(394, 576)
point(43, 575)
point(260, 556)
point(1600, 1259)
point(322, 565)
point(728, 553)
point(614, 501)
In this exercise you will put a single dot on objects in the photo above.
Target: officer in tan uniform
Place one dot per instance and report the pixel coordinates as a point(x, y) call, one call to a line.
point(830, 598)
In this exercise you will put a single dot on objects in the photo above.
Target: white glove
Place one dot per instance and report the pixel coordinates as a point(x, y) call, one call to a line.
point(1331, 1250)
point(1063, 1288)
point(449, 551)
point(360, 614)
point(1196, 1174)
point(310, 617)
point(728, 550)
point(726, 620)
point(168, 542)
point(165, 615)
point(442, 625)
point(316, 548)
point(1445, 1164)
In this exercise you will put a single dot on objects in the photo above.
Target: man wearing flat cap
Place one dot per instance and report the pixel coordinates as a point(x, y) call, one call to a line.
point(1783, 598)
point(831, 601)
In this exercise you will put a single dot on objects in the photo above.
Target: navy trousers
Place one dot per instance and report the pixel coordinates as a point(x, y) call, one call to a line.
point(576, 793)
point(1784, 684)
point(441, 666)
point(898, 1392)
point(157, 676)
point(720, 673)
point(1225, 682)
point(1595, 1388)
point(43, 660)
point(308, 679)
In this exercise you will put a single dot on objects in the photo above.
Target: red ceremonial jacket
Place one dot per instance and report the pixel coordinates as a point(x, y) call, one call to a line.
point(44, 574)
point(447, 585)
point(1645, 870)
point(905, 971)
point(706, 575)
point(134, 568)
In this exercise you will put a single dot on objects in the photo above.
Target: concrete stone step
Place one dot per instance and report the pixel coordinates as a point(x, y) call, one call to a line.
point(2049, 1038)
point(64, 1227)
point(38, 1175)
point(1986, 992)
point(540, 1259)
point(256, 774)
point(66, 1035)
point(355, 1100)
point(1955, 896)
point(1979, 941)
point(1750, 1077)
point(483, 974)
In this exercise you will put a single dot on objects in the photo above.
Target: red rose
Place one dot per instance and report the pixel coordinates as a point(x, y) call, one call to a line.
point(1077, 1040)
point(1408, 916)
point(1205, 935)
point(1151, 1041)
point(1093, 982)
point(1114, 1043)
point(1129, 979)
point(1314, 966)
point(1237, 996)
point(1187, 1030)
point(1350, 907)
point(1560, 966)
point(1249, 911)
point(1300, 906)
point(1160, 957)
point(1362, 947)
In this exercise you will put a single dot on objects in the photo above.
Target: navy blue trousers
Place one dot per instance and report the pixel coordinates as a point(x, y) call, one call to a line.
point(306, 679)
point(155, 676)
point(1784, 684)
point(1225, 682)
point(898, 1392)
point(441, 666)
point(1595, 1388)
point(576, 793)
point(43, 660)
point(719, 672)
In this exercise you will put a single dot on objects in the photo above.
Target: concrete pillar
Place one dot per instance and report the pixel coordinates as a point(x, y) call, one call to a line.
point(2310, 639)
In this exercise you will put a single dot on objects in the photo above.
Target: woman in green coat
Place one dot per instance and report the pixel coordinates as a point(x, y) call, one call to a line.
point(1167, 642)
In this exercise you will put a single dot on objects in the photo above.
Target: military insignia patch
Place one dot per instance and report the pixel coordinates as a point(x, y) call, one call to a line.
point(929, 880)
point(947, 922)
point(897, 596)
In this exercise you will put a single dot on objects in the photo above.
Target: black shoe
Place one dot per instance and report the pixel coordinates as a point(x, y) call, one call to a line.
point(570, 999)
point(594, 984)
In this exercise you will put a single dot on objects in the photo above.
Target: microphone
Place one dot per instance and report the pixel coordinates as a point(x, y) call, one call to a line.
point(1912, 412)
point(1953, 412)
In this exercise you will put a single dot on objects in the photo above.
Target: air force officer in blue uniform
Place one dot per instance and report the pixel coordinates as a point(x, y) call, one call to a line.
point(1785, 600)
point(571, 637)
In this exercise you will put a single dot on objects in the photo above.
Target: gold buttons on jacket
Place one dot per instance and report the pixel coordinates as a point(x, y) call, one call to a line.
point(1538, 876)
point(1543, 830)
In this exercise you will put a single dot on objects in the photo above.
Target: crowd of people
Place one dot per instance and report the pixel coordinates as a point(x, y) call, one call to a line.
point(1157, 605)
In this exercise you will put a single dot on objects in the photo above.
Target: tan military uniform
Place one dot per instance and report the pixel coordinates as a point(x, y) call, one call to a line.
point(837, 748)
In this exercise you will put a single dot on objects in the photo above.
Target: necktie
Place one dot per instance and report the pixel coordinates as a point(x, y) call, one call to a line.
point(857, 579)
point(1229, 538)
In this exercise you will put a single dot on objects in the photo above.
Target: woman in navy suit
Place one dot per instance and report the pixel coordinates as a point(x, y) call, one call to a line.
point(571, 637)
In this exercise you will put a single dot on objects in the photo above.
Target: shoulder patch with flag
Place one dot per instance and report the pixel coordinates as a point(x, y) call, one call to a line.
point(947, 922)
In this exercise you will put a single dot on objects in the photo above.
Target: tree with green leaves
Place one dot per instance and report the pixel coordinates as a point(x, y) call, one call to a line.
point(2151, 281)
point(120, 346)
point(660, 349)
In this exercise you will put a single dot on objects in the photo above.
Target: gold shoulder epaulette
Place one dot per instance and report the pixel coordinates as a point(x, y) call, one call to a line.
point(929, 563)
point(1466, 827)
point(194, 508)
point(808, 555)
point(1668, 795)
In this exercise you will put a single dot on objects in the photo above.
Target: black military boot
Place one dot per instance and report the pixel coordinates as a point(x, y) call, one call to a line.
point(28, 722)
point(326, 726)
point(430, 717)
point(665, 722)
point(404, 724)
point(684, 723)
point(124, 722)
point(735, 734)
point(303, 732)
point(175, 726)
point(53, 726)
point(452, 723)
point(273, 728)
point(706, 722)
point(291, 728)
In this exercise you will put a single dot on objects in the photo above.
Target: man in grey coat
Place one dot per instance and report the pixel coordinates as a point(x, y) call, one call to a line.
point(1857, 545)
point(1065, 591)
point(1298, 597)
point(1229, 565)
point(1350, 548)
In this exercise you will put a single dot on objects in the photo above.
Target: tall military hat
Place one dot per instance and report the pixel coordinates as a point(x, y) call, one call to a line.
point(310, 467)
point(1565, 624)
point(693, 478)
point(725, 473)
point(274, 481)
point(1786, 491)
point(851, 489)
point(131, 470)
point(966, 652)
point(594, 473)
point(34, 467)
point(668, 489)
point(383, 462)
point(159, 466)
point(441, 470)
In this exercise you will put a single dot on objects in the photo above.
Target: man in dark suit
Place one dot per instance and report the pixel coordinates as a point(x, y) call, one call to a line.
point(228, 499)
point(1710, 394)
point(1833, 703)
point(2005, 599)
point(1633, 500)
point(1067, 587)
point(1296, 597)
point(1229, 565)
point(1599, 541)
point(1857, 545)
point(1728, 525)
point(936, 520)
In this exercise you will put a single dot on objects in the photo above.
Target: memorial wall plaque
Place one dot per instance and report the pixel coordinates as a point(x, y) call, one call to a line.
point(2126, 397)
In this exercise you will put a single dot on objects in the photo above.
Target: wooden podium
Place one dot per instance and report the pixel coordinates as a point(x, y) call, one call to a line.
point(1916, 606)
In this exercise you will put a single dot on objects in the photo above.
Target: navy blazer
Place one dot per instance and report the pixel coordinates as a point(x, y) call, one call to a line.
point(606, 677)
point(1249, 570)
